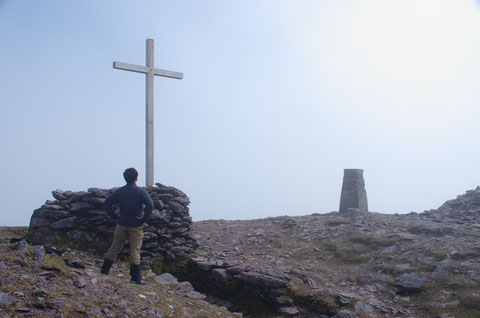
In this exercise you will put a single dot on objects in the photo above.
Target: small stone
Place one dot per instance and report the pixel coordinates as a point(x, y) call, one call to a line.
point(150, 274)
point(95, 311)
point(20, 246)
point(373, 279)
point(220, 274)
point(344, 299)
point(361, 306)
point(195, 295)
point(130, 312)
point(184, 287)
point(38, 253)
point(3, 267)
point(289, 311)
point(166, 279)
point(410, 283)
point(57, 304)
point(345, 314)
point(39, 292)
point(155, 313)
point(80, 282)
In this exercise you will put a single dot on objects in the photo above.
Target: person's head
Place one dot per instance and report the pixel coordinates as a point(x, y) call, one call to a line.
point(130, 175)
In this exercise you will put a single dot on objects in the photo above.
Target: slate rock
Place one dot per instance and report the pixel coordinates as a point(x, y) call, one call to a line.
point(7, 300)
point(3, 267)
point(38, 253)
point(184, 287)
point(39, 292)
point(291, 311)
point(20, 246)
point(262, 280)
point(345, 314)
point(361, 306)
point(378, 280)
point(36, 222)
point(195, 295)
point(410, 283)
point(95, 311)
point(67, 223)
point(80, 282)
point(155, 312)
point(344, 299)
point(220, 274)
point(166, 279)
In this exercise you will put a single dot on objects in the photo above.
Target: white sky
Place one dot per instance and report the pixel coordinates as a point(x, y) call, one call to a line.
point(278, 98)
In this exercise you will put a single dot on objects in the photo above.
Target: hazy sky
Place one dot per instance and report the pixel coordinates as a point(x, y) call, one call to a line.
point(278, 98)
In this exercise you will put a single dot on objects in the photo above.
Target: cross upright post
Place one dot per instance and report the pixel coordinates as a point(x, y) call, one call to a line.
point(150, 71)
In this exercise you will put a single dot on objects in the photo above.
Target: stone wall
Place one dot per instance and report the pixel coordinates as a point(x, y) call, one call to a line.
point(78, 219)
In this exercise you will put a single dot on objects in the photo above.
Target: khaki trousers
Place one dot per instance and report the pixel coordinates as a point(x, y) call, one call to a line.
point(135, 239)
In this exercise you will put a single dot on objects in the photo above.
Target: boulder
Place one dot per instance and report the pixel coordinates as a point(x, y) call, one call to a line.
point(410, 283)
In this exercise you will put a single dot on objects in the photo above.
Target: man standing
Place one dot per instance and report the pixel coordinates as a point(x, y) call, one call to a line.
point(130, 219)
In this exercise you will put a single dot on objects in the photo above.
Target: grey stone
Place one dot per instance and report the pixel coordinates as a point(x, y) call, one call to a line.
point(39, 222)
point(38, 253)
point(184, 287)
point(344, 298)
point(410, 283)
point(20, 246)
point(80, 282)
point(220, 274)
point(95, 311)
point(291, 311)
point(67, 223)
point(361, 306)
point(40, 292)
point(7, 300)
point(262, 280)
point(353, 191)
point(195, 295)
point(345, 314)
point(166, 279)
point(3, 267)
point(373, 279)
point(155, 312)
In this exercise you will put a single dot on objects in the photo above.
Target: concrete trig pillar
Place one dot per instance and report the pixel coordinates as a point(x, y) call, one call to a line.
point(353, 194)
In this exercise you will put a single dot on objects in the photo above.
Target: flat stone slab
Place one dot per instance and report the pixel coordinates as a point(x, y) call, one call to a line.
point(7, 300)
point(410, 282)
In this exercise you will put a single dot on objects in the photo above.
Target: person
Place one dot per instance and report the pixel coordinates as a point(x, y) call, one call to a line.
point(129, 222)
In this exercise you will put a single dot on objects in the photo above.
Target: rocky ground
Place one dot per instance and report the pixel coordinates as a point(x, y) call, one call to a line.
point(35, 284)
point(322, 265)
point(368, 265)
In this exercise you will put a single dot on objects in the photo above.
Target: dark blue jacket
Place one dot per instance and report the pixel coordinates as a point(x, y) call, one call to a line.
point(131, 199)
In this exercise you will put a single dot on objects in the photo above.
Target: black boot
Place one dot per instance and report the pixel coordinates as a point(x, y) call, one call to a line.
point(106, 266)
point(135, 272)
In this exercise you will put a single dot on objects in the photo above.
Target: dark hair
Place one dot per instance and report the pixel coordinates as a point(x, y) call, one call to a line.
point(130, 175)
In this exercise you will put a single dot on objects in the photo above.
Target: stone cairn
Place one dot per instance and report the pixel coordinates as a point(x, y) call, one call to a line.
point(78, 219)
point(464, 209)
point(354, 197)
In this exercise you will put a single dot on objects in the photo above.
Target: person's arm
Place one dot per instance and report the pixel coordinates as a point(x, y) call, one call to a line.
point(112, 198)
point(147, 200)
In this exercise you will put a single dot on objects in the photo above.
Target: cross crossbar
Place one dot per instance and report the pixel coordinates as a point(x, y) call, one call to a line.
point(146, 70)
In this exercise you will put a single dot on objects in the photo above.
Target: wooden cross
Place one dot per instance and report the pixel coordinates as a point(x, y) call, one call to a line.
point(149, 70)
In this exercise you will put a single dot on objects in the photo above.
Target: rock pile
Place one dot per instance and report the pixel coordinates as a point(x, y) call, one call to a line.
point(78, 219)
point(220, 278)
point(464, 209)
